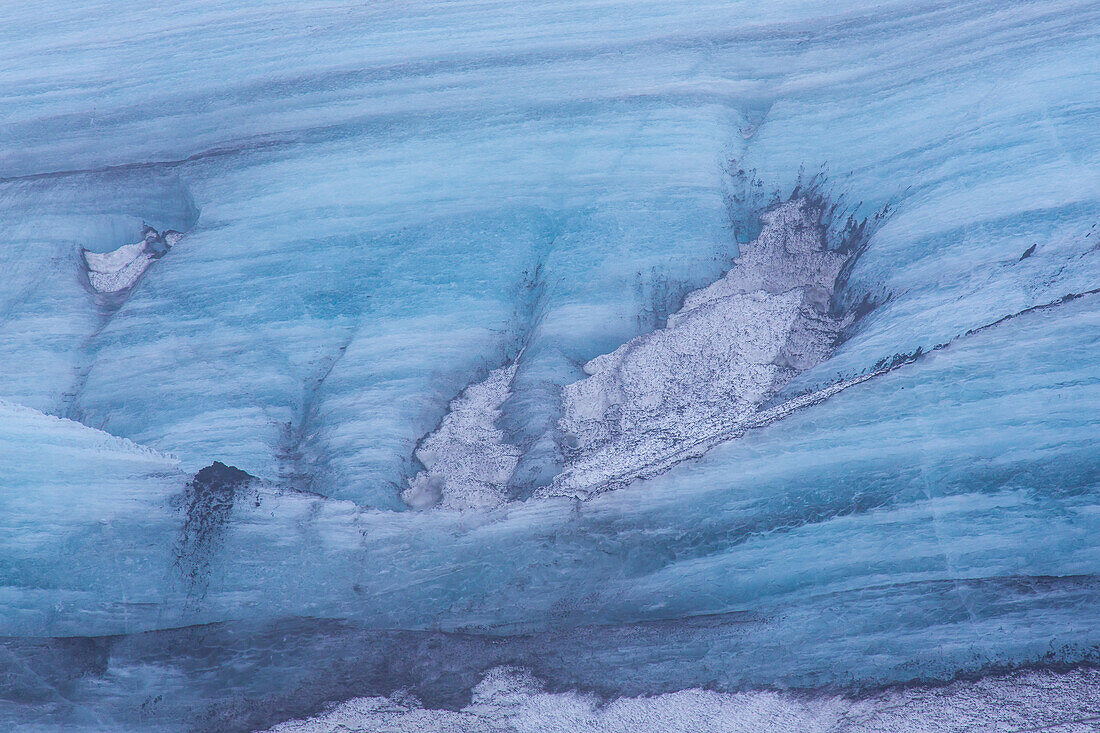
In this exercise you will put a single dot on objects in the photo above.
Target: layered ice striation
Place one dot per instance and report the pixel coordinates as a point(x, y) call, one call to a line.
point(960, 543)
point(365, 188)
point(368, 204)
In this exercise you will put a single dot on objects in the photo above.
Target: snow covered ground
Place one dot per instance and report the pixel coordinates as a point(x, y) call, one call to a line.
point(509, 700)
point(483, 298)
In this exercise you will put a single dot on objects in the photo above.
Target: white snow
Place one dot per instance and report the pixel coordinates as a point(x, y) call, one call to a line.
point(730, 347)
point(120, 269)
point(467, 461)
point(509, 700)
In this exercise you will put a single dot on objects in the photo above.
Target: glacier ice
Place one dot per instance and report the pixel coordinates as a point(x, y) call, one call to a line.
point(485, 258)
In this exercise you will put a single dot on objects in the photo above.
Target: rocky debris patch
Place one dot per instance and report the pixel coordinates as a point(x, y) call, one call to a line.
point(208, 504)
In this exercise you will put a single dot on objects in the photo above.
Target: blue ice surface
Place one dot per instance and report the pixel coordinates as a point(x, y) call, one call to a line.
point(381, 202)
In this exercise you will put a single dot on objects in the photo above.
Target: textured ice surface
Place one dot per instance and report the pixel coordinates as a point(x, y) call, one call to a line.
point(409, 227)
point(425, 176)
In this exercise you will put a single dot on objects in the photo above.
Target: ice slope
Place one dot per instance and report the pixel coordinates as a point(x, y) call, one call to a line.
point(959, 543)
point(82, 519)
point(382, 204)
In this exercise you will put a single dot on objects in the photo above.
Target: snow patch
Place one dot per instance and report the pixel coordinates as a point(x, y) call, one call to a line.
point(467, 461)
point(669, 395)
point(707, 374)
point(511, 700)
point(120, 269)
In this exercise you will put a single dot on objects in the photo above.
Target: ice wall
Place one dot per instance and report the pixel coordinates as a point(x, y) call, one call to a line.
point(385, 206)
point(426, 159)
